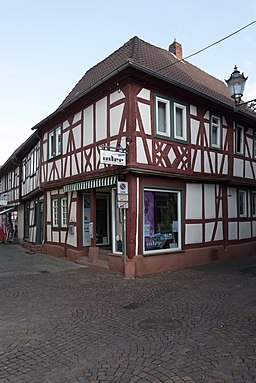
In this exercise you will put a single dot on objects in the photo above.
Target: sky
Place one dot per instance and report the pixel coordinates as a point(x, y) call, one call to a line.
point(47, 46)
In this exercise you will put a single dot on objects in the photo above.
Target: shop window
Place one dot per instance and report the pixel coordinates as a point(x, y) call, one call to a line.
point(162, 221)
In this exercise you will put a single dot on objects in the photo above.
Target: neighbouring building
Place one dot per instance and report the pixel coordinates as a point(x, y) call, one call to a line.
point(169, 132)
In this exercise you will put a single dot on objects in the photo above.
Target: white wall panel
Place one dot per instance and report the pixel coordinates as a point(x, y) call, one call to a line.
point(193, 234)
point(101, 119)
point(116, 96)
point(244, 230)
point(193, 201)
point(115, 119)
point(88, 126)
point(232, 231)
point(145, 117)
point(232, 203)
point(144, 93)
point(194, 131)
point(209, 201)
point(238, 167)
point(77, 136)
point(140, 151)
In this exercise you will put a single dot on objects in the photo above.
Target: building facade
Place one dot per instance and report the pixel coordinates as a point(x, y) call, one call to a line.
point(189, 170)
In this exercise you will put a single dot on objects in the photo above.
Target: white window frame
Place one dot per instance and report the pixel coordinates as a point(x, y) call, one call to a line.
point(217, 126)
point(242, 212)
point(240, 148)
point(55, 212)
point(167, 104)
point(160, 251)
point(64, 212)
point(183, 108)
point(54, 142)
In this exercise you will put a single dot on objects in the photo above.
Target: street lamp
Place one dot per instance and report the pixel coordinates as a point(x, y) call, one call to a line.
point(236, 84)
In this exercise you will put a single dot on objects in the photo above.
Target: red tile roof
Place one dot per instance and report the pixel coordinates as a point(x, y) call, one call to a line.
point(157, 61)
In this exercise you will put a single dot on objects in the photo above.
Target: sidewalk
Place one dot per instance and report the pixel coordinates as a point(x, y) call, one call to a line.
point(64, 323)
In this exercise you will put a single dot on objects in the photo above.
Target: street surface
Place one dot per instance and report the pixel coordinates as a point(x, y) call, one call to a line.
point(61, 322)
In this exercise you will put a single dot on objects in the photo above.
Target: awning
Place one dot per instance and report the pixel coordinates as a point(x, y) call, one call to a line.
point(91, 184)
point(6, 210)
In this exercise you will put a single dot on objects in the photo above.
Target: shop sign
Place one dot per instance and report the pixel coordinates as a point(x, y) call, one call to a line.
point(110, 157)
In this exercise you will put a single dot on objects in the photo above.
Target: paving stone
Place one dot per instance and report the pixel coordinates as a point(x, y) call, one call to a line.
point(75, 324)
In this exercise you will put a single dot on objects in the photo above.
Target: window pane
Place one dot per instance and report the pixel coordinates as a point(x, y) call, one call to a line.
point(64, 212)
point(55, 215)
point(239, 139)
point(179, 122)
point(242, 203)
point(58, 141)
point(161, 220)
point(162, 117)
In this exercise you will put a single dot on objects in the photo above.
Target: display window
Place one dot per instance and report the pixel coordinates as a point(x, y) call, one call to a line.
point(161, 221)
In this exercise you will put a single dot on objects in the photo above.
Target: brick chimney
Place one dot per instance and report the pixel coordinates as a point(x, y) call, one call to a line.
point(176, 49)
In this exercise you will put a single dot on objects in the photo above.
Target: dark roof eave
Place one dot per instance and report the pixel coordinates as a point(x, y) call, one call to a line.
point(66, 105)
point(150, 72)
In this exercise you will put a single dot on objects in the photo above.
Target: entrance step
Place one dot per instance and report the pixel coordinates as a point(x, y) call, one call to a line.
point(103, 263)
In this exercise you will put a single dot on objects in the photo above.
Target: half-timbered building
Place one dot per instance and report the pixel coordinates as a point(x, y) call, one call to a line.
point(20, 190)
point(189, 170)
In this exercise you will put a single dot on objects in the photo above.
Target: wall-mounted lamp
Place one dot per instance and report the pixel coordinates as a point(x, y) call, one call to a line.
point(236, 84)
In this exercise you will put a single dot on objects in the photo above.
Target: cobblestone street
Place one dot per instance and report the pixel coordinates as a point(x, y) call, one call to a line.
point(61, 322)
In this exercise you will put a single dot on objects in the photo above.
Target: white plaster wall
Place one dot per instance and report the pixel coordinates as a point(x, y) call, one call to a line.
point(55, 236)
point(244, 230)
point(219, 232)
point(145, 117)
point(250, 146)
point(248, 170)
point(208, 231)
point(48, 204)
point(193, 110)
point(101, 119)
point(88, 126)
point(209, 206)
point(77, 117)
point(64, 142)
point(77, 136)
point(193, 234)
point(115, 119)
point(232, 203)
point(254, 229)
point(194, 130)
point(49, 232)
point(116, 96)
point(232, 230)
point(207, 168)
point(144, 93)
point(72, 238)
point(193, 201)
point(62, 236)
point(238, 167)
point(140, 152)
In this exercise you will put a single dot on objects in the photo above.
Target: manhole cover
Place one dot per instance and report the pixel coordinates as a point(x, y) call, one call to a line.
point(160, 324)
